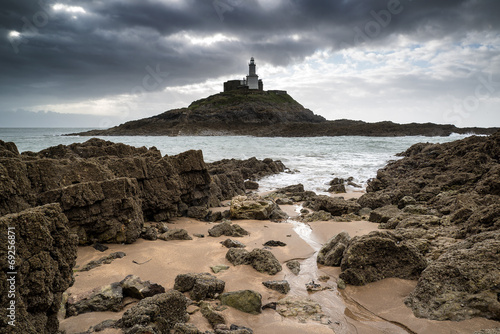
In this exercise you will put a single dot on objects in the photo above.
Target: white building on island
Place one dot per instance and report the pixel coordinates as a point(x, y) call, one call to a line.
point(251, 81)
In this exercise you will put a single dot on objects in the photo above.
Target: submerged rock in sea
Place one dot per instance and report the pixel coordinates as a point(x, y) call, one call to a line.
point(462, 283)
point(157, 314)
point(380, 255)
point(45, 255)
point(245, 300)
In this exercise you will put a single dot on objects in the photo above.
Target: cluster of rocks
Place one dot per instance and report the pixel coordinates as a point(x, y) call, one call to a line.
point(441, 206)
point(107, 190)
point(337, 185)
point(99, 191)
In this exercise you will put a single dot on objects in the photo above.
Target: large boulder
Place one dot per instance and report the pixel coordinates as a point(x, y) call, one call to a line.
point(332, 252)
point(200, 286)
point(45, 254)
point(380, 255)
point(157, 314)
point(245, 300)
point(462, 283)
point(134, 287)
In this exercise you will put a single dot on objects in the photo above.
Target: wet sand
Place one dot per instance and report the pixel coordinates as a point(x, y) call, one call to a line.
point(375, 308)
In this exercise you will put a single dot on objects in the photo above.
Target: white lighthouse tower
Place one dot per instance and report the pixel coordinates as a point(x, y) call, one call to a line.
point(252, 77)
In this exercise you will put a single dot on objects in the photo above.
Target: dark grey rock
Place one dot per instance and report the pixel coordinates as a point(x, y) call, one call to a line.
point(280, 286)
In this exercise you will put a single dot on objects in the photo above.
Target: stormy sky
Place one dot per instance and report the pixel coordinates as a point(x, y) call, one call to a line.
point(98, 63)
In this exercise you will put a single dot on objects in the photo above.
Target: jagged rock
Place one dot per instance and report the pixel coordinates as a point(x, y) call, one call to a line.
point(264, 261)
point(106, 298)
point(238, 256)
point(334, 205)
point(274, 243)
point(284, 201)
point(405, 201)
point(280, 286)
point(230, 243)
point(462, 283)
point(260, 259)
point(294, 266)
point(200, 286)
point(316, 216)
point(149, 233)
point(379, 255)
point(158, 314)
point(245, 300)
point(217, 269)
point(175, 234)
point(227, 229)
point(45, 256)
point(244, 207)
point(103, 260)
point(182, 328)
point(383, 214)
point(228, 176)
point(251, 185)
point(132, 286)
point(106, 211)
point(198, 212)
point(332, 252)
point(214, 318)
point(162, 227)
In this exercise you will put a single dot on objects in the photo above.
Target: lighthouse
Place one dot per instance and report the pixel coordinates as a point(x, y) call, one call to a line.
point(251, 82)
point(252, 78)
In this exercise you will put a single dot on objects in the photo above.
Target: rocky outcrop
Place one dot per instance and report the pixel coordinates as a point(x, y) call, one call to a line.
point(45, 253)
point(379, 255)
point(464, 282)
point(332, 252)
point(442, 201)
point(267, 114)
point(157, 314)
point(105, 189)
point(245, 300)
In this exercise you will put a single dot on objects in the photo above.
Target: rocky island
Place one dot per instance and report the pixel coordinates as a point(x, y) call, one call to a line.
point(265, 114)
point(244, 108)
point(118, 239)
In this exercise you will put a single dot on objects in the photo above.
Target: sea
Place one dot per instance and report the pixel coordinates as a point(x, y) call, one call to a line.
point(312, 161)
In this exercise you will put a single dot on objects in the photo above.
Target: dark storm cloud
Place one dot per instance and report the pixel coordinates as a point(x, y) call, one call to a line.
point(114, 46)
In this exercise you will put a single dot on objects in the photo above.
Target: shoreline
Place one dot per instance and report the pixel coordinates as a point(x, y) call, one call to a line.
point(375, 308)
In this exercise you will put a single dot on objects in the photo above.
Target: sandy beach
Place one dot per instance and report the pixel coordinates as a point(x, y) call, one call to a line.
point(375, 308)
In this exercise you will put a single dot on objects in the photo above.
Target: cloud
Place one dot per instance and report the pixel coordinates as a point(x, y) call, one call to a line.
point(61, 55)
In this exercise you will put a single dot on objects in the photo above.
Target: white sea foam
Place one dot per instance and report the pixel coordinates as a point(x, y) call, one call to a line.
point(314, 161)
